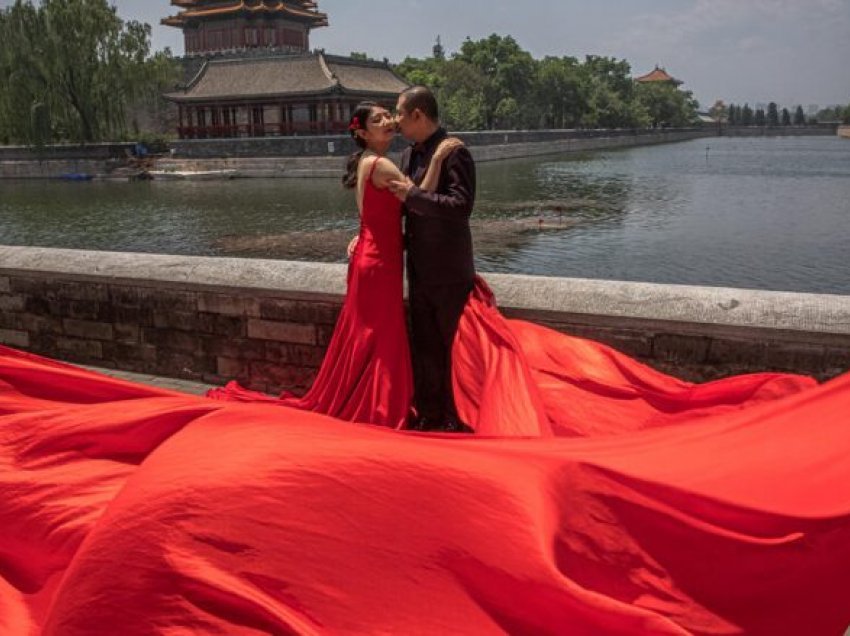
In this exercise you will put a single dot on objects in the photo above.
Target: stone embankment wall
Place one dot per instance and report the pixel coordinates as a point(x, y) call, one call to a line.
point(51, 162)
point(267, 323)
point(813, 130)
point(319, 156)
point(325, 157)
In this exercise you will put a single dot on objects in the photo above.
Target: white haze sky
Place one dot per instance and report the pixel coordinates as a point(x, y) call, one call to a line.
point(788, 51)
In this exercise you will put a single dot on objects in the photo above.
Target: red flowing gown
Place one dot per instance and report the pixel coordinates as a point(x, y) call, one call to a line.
point(366, 375)
point(597, 497)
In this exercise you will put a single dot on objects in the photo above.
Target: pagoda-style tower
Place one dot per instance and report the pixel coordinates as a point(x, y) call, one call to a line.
point(222, 26)
point(249, 72)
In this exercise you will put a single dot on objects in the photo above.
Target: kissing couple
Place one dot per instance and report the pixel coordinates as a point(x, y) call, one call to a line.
point(373, 371)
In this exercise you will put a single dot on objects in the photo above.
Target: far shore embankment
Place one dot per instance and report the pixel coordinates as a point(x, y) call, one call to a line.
point(324, 156)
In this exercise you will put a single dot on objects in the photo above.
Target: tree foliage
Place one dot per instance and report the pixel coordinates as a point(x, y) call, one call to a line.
point(772, 114)
point(493, 83)
point(71, 68)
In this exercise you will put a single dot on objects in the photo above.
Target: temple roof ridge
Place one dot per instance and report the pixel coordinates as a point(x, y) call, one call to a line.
point(195, 9)
point(292, 74)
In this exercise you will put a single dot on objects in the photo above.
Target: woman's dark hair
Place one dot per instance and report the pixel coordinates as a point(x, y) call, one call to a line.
point(359, 120)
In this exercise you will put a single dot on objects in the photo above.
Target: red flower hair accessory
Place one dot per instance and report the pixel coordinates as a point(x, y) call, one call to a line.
point(355, 124)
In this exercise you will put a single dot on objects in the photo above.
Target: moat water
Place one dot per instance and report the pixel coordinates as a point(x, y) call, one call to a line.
point(764, 213)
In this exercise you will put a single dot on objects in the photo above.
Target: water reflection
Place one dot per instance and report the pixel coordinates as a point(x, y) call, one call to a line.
point(763, 213)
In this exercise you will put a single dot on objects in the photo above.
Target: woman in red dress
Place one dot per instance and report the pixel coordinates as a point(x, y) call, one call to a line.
point(366, 375)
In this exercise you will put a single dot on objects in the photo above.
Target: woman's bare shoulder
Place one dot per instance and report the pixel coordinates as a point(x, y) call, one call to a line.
point(385, 171)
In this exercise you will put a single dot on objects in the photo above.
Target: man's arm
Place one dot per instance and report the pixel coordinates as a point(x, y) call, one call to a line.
point(460, 191)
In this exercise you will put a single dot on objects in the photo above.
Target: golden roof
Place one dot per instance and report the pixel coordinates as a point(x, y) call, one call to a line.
point(658, 75)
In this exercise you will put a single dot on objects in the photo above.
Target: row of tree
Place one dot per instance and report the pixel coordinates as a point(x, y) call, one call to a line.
point(835, 113)
point(737, 115)
point(493, 83)
point(70, 69)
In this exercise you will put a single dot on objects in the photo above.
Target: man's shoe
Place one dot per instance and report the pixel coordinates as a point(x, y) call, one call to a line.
point(424, 424)
point(456, 426)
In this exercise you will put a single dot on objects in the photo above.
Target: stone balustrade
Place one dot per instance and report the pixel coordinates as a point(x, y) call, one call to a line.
point(267, 323)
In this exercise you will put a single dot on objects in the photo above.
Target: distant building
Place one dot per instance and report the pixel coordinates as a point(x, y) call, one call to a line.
point(250, 72)
point(216, 26)
point(659, 75)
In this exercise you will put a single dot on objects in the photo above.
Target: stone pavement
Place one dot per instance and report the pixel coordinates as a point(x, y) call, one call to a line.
point(184, 386)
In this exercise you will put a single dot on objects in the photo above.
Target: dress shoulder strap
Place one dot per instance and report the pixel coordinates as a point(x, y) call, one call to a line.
point(372, 169)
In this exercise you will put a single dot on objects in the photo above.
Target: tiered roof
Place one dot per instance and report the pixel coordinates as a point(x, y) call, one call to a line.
point(194, 10)
point(313, 74)
point(658, 75)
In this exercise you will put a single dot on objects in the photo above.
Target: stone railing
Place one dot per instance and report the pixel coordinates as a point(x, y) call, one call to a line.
point(267, 323)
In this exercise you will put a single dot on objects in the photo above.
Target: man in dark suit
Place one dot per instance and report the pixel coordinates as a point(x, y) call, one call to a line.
point(440, 267)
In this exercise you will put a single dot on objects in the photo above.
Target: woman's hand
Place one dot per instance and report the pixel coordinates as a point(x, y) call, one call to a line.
point(352, 246)
point(401, 188)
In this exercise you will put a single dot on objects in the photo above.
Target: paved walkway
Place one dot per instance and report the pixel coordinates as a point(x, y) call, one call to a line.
point(184, 386)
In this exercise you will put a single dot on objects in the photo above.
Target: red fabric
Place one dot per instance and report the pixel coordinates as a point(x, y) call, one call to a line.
point(366, 374)
point(134, 510)
point(597, 496)
point(520, 379)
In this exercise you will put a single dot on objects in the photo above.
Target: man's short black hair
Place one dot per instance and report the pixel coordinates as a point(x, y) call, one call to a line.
point(422, 98)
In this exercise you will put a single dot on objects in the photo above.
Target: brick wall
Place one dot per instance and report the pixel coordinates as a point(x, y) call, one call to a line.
point(267, 323)
point(268, 343)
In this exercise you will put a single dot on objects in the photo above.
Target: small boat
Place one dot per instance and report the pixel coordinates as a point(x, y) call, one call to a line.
point(76, 176)
point(191, 175)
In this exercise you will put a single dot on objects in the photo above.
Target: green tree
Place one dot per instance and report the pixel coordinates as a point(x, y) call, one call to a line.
point(666, 105)
point(747, 115)
point(845, 116)
point(560, 92)
point(760, 119)
point(509, 74)
point(493, 82)
point(786, 117)
point(772, 114)
point(72, 68)
point(427, 72)
point(613, 98)
point(799, 117)
point(461, 95)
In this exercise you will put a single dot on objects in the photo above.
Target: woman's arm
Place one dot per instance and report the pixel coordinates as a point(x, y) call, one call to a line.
point(385, 172)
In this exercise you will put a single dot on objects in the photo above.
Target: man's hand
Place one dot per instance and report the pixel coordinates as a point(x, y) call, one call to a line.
point(401, 188)
point(352, 246)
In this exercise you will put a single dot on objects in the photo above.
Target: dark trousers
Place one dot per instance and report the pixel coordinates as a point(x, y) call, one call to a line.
point(435, 311)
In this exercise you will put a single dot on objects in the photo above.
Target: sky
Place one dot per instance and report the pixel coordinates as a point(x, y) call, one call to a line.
point(788, 51)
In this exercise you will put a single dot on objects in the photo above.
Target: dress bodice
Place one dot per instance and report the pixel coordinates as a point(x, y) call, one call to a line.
point(381, 238)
